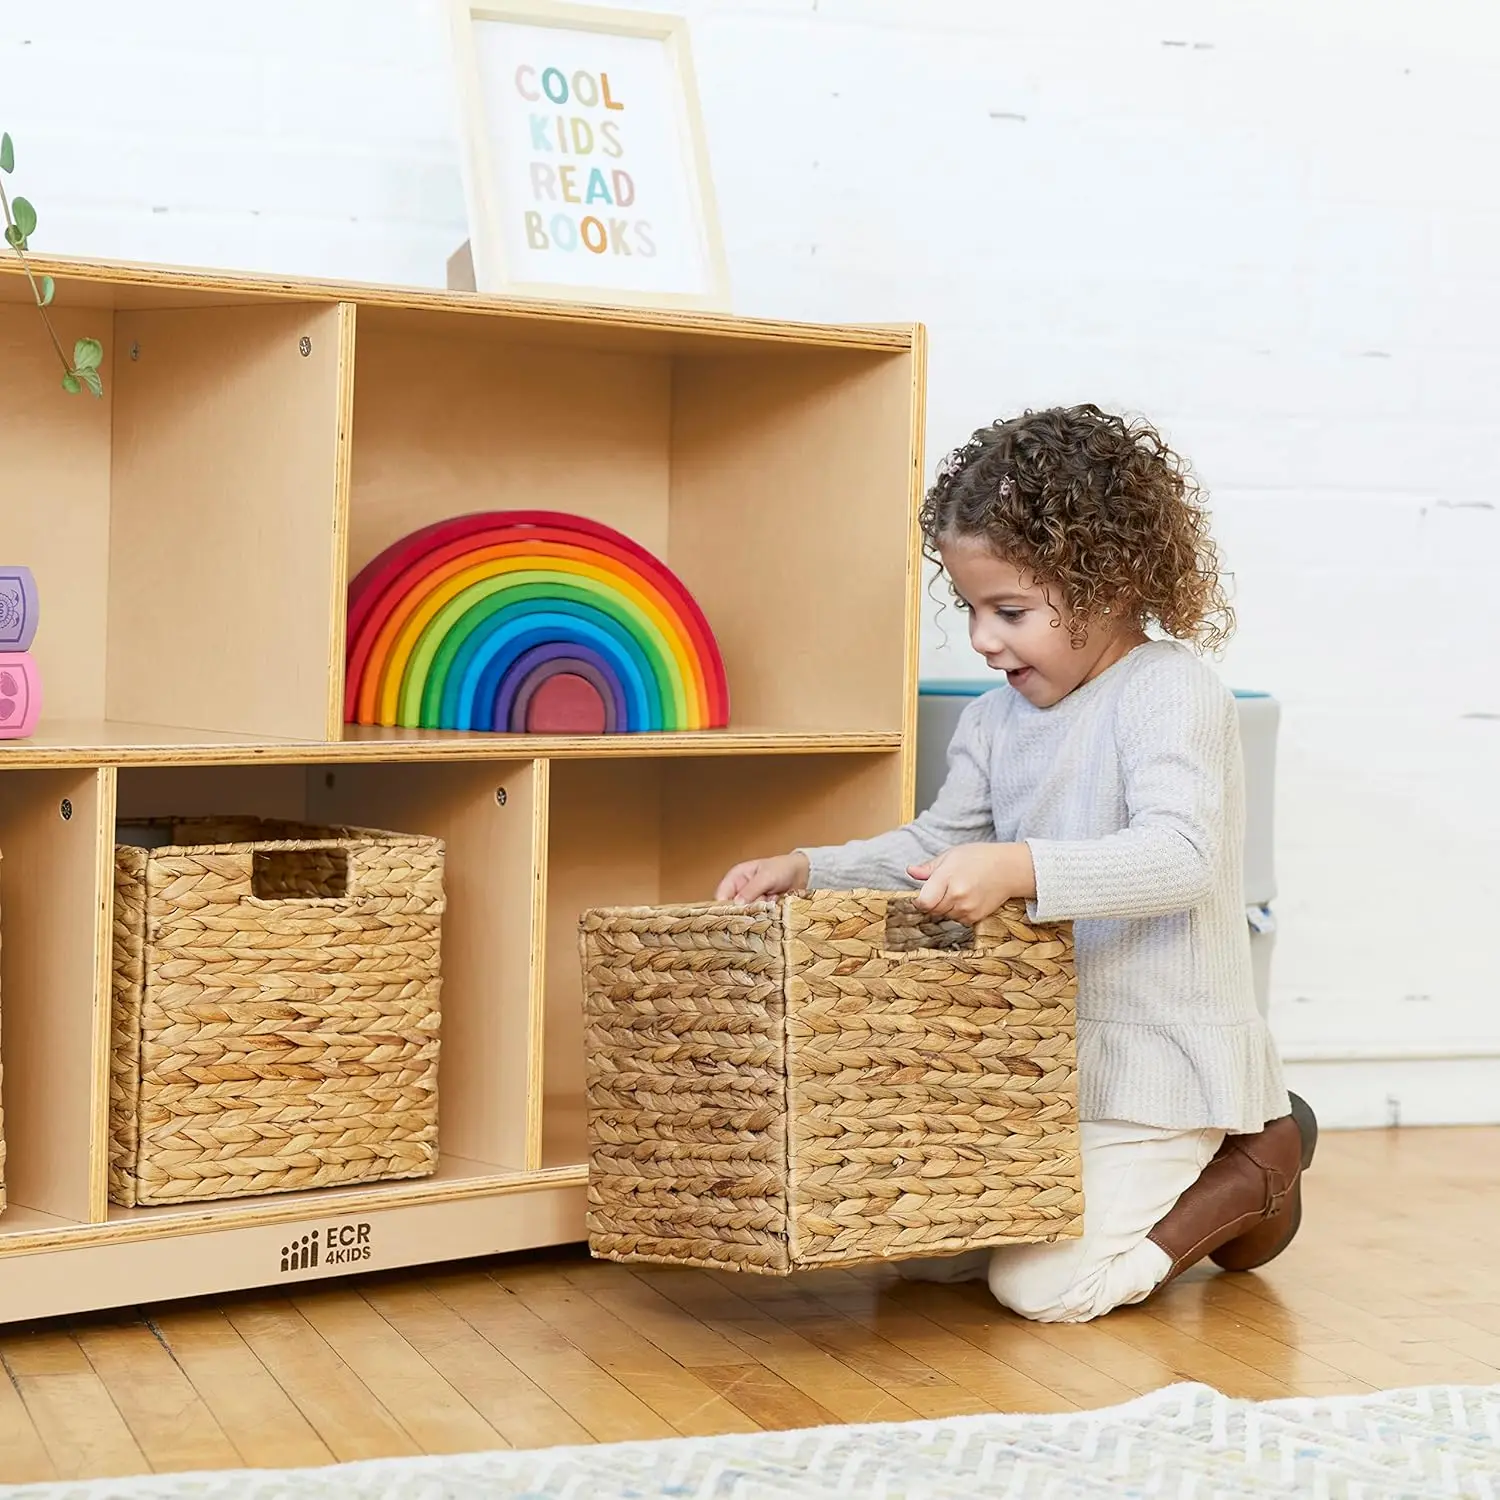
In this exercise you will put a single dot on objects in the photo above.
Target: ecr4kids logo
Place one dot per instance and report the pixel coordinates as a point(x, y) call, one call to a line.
point(337, 1245)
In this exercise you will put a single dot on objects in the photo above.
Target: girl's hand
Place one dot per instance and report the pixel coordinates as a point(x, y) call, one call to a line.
point(971, 881)
point(758, 878)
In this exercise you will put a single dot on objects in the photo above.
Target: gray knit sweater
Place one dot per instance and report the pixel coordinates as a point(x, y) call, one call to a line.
point(1130, 792)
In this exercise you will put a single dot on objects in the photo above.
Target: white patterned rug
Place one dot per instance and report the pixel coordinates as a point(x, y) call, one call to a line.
point(1183, 1441)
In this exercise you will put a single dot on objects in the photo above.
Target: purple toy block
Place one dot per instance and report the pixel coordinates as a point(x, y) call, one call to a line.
point(18, 608)
point(20, 695)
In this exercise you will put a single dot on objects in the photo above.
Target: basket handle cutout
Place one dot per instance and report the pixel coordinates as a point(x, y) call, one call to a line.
point(320, 873)
point(909, 928)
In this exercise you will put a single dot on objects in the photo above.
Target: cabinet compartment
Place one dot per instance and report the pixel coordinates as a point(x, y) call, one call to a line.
point(185, 529)
point(640, 832)
point(487, 815)
point(276, 1011)
point(775, 481)
point(56, 830)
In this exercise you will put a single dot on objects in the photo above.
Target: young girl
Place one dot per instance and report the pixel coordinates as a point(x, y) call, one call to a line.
point(1102, 783)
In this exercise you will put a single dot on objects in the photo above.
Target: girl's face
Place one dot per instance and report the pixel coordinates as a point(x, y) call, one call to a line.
point(1019, 631)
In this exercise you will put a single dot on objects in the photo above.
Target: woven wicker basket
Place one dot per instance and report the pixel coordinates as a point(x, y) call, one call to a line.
point(826, 1080)
point(275, 1021)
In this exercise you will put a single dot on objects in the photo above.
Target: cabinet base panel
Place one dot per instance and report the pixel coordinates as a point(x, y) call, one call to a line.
point(86, 1278)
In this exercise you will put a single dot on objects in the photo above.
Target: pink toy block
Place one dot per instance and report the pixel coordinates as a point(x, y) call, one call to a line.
point(18, 608)
point(20, 695)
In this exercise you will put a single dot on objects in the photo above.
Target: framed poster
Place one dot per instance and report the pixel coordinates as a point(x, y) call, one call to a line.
point(585, 167)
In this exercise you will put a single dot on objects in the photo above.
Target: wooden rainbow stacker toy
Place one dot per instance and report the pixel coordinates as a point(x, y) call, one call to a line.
point(529, 621)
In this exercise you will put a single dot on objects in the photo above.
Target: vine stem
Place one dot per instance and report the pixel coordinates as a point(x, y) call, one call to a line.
point(36, 291)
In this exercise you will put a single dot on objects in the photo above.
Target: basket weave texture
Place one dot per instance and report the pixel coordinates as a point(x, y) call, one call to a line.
point(826, 1080)
point(275, 1010)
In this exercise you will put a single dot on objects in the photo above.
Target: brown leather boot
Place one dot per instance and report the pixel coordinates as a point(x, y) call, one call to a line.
point(1246, 1205)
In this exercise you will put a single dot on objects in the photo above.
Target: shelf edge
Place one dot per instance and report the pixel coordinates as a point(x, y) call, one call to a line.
point(17, 755)
point(199, 1219)
point(894, 336)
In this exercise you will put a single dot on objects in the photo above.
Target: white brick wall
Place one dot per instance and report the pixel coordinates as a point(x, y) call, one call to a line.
point(1272, 227)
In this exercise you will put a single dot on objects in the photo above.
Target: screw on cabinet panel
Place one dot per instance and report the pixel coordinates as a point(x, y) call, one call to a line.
point(135, 350)
point(65, 807)
point(501, 796)
point(305, 345)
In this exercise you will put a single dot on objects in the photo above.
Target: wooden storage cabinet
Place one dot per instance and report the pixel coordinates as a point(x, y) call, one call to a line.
point(193, 534)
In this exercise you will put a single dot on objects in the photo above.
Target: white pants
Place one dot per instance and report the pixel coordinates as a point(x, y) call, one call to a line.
point(1132, 1176)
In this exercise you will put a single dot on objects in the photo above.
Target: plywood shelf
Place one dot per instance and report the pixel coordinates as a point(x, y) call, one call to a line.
point(455, 1177)
point(400, 744)
point(90, 742)
point(94, 743)
point(193, 536)
point(20, 1224)
point(113, 285)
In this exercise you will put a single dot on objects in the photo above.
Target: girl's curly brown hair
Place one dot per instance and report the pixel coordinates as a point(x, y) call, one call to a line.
point(1096, 507)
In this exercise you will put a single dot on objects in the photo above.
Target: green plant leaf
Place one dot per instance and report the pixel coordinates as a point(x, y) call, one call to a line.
point(49, 291)
point(13, 236)
point(71, 384)
point(92, 380)
point(25, 217)
point(88, 354)
point(7, 154)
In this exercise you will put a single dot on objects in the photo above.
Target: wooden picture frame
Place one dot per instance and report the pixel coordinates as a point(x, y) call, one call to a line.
point(571, 197)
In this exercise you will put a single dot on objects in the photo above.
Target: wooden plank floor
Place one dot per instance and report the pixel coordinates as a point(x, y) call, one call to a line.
point(1394, 1281)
